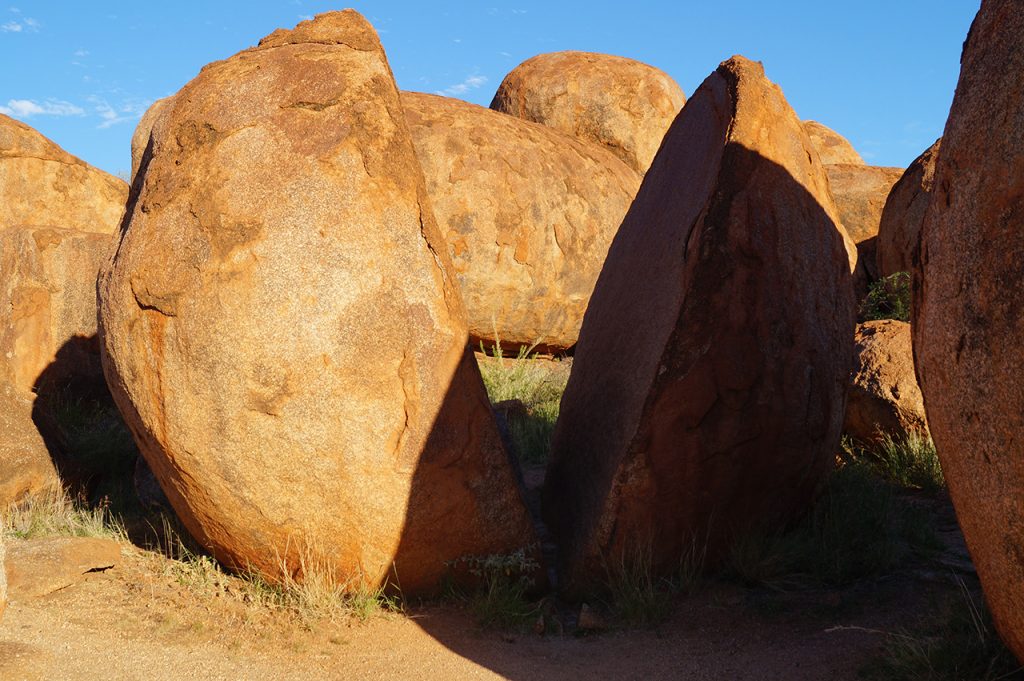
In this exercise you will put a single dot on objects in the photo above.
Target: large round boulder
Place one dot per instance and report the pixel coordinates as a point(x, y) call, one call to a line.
point(709, 382)
point(283, 331)
point(884, 398)
point(3, 576)
point(968, 319)
point(41, 184)
point(528, 213)
point(860, 192)
point(899, 232)
point(831, 146)
point(620, 103)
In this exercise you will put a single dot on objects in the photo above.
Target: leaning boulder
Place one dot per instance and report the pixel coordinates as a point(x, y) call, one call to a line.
point(528, 213)
point(709, 383)
point(48, 306)
point(967, 315)
point(41, 184)
point(884, 398)
point(26, 466)
point(3, 576)
point(899, 232)
point(860, 192)
point(832, 147)
point(283, 331)
point(619, 103)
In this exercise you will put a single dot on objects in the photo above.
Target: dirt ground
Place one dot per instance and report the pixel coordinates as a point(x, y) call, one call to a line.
point(137, 622)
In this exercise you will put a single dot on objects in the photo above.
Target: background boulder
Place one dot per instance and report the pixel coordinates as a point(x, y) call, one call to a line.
point(831, 146)
point(528, 213)
point(899, 232)
point(884, 398)
point(41, 184)
point(619, 103)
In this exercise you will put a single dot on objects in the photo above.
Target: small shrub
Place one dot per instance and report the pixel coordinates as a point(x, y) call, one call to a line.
point(501, 601)
point(888, 298)
point(960, 645)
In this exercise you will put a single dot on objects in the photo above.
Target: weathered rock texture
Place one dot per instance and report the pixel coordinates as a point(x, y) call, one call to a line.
point(830, 145)
point(37, 567)
point(283, 330)
point(3, 577)
point(48, 310)
point(968, 320)
point(860, 192)
point(41, 184)
point(622, 104)
point(25, 463)
point(528, 214)
point(884, 398)
point(900, 230)
point(140, 138)
point(709, 383)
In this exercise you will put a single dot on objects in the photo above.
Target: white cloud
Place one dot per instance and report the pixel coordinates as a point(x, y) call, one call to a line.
point(110, 115)
point(306, 17)
point(19, 24)
point(81, 53)
point(471, 83)
point(26, 108)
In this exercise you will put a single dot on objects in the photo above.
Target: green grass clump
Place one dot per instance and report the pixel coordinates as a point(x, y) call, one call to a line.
point(909, 462)
point(960, 645)
point(860, 527)
point(888, 298)
point(538, 387)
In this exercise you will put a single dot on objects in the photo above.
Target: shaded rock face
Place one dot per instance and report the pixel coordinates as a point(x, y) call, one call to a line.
point(832, 147)
point(622, 104)
point(140, 138)
point(899, 232)
point(41, 184)
point(528, 213)
point(709, 383)
point(860, 192)
point(48, 315)
point(967, 316)
point(283, 331)
point(884, 398)
point(25, 463)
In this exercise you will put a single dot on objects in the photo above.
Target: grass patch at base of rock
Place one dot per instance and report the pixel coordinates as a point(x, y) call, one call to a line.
point(535, 384)
point(54, 513)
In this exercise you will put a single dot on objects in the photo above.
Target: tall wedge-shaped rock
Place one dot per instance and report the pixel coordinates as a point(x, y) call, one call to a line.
point(968, 320)
point(283, 332)
point(708, 387)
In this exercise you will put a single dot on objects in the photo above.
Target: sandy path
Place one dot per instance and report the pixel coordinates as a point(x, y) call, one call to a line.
point(137, 623)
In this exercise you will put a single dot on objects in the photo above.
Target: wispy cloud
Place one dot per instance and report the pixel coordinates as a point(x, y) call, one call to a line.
point(81, 53)
point(26, 108)
point(19, 24)
point(470, 83)
point(124, 112)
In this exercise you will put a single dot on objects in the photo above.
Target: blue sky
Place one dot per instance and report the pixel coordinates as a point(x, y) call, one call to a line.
point(882, 73)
